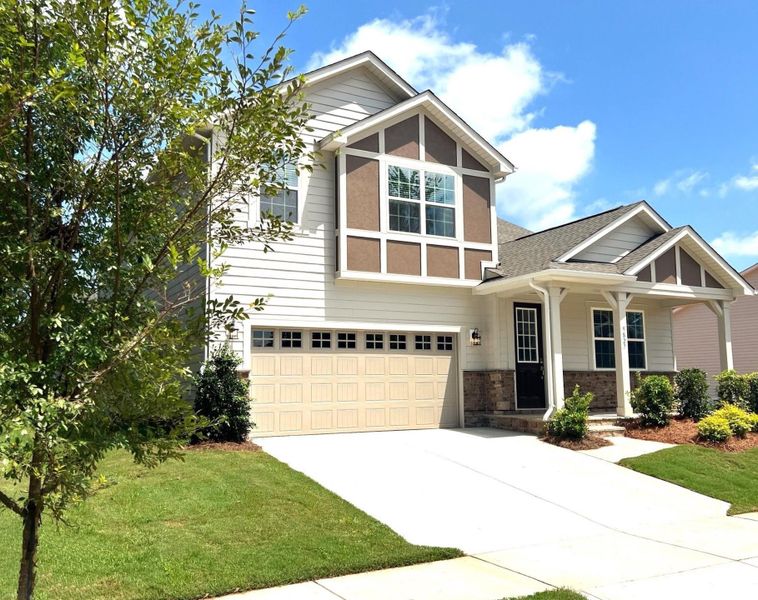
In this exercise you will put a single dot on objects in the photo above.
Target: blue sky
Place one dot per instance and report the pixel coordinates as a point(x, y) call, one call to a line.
point(598, 103)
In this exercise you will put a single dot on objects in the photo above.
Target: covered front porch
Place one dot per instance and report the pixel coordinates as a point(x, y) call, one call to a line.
point(561, 328)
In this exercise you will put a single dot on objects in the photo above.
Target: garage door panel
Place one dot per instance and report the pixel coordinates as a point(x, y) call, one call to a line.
point(311, 390)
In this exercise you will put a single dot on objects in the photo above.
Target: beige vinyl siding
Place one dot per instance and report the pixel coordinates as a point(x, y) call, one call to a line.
point(696, 338)
point(299, 275)
point(617, 243)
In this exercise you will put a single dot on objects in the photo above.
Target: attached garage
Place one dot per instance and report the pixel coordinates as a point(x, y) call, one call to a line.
point(322, 381)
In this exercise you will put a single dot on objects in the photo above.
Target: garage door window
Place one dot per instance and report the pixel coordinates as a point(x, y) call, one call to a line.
point(346, 341)
point(374, 341)
point(397, 341)
point(423, 342)
point(263, 338)
point(321, 339)
point(292, 339)
point(445, 342)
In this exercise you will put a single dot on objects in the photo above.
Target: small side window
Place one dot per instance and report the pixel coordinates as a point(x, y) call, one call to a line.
point(346, 341)
point(423, 342)
point(397, 341)
point(321, 339)
point(374, 341)
point(263, 338)
point(445, 343)
point(292, 339)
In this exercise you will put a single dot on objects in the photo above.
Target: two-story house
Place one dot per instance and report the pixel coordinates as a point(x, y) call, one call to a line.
point(404, 302)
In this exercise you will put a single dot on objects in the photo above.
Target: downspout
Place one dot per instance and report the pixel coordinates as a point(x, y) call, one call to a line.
point(548, 348)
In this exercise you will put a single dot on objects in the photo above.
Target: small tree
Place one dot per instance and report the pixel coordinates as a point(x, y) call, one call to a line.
point(732, 389)
point(221, 397)
point(654, 400)
point(691, 393)
point(111, 114)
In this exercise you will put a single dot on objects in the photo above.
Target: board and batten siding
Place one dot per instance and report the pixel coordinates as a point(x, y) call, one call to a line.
point(298, 277)
point(696, 340)
point(619, 242)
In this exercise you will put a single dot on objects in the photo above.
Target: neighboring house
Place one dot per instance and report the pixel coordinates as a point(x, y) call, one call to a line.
point(403, 301)
point(696, 334)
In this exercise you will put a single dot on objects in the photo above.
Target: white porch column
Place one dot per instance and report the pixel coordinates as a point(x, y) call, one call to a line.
point(555, 297)
point(620, 302)
point(724, 316)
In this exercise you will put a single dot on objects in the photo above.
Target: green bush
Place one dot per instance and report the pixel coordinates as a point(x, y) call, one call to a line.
point(654, 400)
point(221, 397)
point(732, 388)
point(753, 422)
point(571, 421)
point(691, 393)
point(714, 428)
point(752, 392)
point(739, 420)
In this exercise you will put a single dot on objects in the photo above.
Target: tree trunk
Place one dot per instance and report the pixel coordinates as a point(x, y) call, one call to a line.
point(32, 522)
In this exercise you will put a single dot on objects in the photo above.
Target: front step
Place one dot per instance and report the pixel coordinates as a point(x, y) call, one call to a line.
point(606, 430)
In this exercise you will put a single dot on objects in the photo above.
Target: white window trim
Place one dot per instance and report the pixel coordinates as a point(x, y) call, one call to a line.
point(422, 202)
point(254, 205)
point(613, 339)
point(536, 335)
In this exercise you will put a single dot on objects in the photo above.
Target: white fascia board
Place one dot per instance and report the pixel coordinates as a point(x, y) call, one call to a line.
point(691, 234)
point(551, 275)
point(344, 136)
point(642, 208)
point(364, 59)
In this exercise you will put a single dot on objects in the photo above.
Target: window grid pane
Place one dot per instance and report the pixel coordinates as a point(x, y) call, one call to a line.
point(263, 338)
point(634, 325)
point(292, 339)
point(403, 183)
point(321, 339)
point(603, 323)
point(282, 205)
point(374, 341)
point(405, 216)
point(605, 355)
point(346, 340)
point(445, 342)
point(439, 188)
point(397, 341)
point(423, 342)
point(636, 355)
point(527, 342)
point(440, 221)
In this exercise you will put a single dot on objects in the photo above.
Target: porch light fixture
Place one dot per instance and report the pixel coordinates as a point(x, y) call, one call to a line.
point(475, 337)
point(234, 334)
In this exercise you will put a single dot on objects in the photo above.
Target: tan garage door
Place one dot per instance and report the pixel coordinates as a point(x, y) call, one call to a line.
point(306, 381)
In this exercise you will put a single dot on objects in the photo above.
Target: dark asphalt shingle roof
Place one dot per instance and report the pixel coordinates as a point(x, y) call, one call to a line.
point(538, 251)
point(507, 231)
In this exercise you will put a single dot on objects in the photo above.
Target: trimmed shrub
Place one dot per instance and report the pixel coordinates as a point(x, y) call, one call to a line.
point(753, 422)
point(571, 421)
point(691, 393)
point(732, 388)
point(654, 400)
point(714, 428)
point(221, 397)
point(751, 384)
point(739, 420)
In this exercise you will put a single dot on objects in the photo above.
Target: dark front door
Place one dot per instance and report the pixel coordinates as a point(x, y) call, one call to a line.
point(530, 364)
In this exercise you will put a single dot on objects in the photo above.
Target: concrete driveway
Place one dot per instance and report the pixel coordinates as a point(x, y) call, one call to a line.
point(557, 516)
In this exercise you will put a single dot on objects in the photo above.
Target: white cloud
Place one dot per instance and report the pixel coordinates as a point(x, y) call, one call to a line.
point(684, 181)
point(733, 244)
point(748, 183)
point(494, 93)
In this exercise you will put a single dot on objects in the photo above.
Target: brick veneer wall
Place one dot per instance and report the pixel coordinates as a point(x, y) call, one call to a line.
point(602, 384)
point(487, 392)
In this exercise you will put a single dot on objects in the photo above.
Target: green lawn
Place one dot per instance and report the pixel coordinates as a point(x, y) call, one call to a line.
point(553, 595)
point(728, 476)
point(215, 523)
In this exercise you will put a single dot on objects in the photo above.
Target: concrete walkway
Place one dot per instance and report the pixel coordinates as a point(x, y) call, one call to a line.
point(530, 515)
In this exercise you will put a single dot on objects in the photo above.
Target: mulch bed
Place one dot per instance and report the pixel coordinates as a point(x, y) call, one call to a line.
point(589, 443)
point(226, 446)
point(684, 431)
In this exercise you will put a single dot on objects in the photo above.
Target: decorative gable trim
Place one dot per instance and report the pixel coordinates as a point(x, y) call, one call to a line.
point(642, 209)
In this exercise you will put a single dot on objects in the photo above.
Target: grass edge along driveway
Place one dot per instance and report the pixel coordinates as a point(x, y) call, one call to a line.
point(218, 522)
point(728, 476)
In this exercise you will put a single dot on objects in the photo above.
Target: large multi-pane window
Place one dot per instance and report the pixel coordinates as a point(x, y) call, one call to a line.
point(283, 204)
point(603, 334)
point(410, 190)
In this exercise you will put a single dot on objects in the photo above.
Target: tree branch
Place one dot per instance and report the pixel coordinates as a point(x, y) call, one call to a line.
point(11, 504)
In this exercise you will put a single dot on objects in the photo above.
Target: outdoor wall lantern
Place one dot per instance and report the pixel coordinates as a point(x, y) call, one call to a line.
point(234, 334)
point(475, 337)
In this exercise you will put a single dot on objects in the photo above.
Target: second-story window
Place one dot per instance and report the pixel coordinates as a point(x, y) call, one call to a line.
point(283, 204)
point(412, 192)
point(404, 187)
